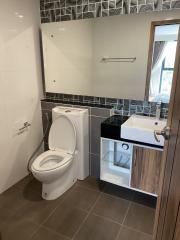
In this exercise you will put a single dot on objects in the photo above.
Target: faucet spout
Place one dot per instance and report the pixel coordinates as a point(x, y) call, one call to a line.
point(158, 110)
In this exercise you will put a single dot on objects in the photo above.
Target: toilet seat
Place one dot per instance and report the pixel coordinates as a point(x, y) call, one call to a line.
point(62, 145)
point(51, 160)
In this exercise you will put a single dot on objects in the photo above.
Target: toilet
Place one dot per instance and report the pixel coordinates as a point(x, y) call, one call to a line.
point(67, 158)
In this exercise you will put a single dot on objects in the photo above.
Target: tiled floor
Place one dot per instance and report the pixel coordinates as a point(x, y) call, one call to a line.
point(90, 210)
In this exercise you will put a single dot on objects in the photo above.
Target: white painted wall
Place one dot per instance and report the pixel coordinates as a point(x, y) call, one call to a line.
point(20, 87)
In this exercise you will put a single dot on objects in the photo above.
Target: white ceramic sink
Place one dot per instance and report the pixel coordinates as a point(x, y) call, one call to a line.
point(141, 129)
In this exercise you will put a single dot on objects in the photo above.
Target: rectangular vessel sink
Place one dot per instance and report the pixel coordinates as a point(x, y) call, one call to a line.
point(141, 129)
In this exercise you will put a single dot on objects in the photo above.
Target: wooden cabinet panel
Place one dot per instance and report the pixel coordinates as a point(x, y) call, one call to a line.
point(146, 167)
point(177, 228)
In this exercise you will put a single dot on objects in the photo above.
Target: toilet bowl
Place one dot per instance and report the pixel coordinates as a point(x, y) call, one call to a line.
point(56, 168)
point(49, 165)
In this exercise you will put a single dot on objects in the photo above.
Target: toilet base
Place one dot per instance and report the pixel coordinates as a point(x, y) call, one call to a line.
point(53, 190)
point(49, 192)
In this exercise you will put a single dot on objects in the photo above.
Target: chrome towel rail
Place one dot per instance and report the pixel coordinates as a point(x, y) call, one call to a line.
point(110, 59)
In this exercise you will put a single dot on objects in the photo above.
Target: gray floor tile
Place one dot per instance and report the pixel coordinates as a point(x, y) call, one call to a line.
point(24, 181)
point(18, 229)
point(141, 218)
point(92, 183)
point(111, 207)
point(47, 234)
point(29, 183)
point(38, 210)
point(14, 198)
point(5, 215)
point(66, 219)
point(82, 198)
point(129, 234)
point(97, 228)
point(22, 210)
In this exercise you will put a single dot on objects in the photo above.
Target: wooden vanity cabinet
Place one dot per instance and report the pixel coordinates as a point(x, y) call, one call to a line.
point(146, 166)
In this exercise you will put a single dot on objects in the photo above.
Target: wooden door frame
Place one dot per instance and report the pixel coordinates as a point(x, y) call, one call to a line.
point(169, 159)
point(151, 46)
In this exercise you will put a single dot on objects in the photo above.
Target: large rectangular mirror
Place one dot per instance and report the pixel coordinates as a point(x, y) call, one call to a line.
point(103, 57)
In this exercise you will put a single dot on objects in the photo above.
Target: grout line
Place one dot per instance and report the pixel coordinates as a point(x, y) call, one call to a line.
point(98, 116)
point(96, 154)
point(119, 232)
point(127, 211)
point(130, 228)
point(33, 232)
point(107, 218)
point(90, 211)
point(105, 117)
point(53, 211)
point(136, 230)
point(57, 233)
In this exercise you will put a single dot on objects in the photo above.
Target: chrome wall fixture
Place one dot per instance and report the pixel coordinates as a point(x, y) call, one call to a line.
point(116, 59)
point(24, 128)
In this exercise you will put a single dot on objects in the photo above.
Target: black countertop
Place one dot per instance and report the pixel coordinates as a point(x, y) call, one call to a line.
point(115, 120)
point(111, 128)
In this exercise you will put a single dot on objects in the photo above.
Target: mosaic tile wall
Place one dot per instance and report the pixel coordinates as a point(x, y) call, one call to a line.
point(64, 10)
point(124, 107)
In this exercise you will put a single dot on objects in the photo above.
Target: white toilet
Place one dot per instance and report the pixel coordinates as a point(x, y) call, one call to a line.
point(68, 156)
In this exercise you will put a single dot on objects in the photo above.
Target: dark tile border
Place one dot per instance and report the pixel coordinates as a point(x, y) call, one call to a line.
point(66, 10)
point(123, 107)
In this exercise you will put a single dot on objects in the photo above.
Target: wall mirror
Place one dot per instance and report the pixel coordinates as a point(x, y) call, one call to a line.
point(162, 53)
point(103, 57)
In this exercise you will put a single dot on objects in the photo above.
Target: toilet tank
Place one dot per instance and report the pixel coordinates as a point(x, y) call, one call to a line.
point(80, 119)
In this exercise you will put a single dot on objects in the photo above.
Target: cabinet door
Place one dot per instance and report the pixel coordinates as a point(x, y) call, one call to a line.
point(146, 167)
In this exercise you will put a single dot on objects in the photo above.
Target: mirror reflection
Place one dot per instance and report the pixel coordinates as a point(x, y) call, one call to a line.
point(108, 57)
point(163, 58)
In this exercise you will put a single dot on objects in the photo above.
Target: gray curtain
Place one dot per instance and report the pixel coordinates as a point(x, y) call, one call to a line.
point(158, 49)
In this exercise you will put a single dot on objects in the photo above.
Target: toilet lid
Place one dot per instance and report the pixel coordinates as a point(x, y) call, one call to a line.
point(62, 135)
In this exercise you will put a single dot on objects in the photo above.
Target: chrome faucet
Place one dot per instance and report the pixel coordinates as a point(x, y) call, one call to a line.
point(158, 110)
